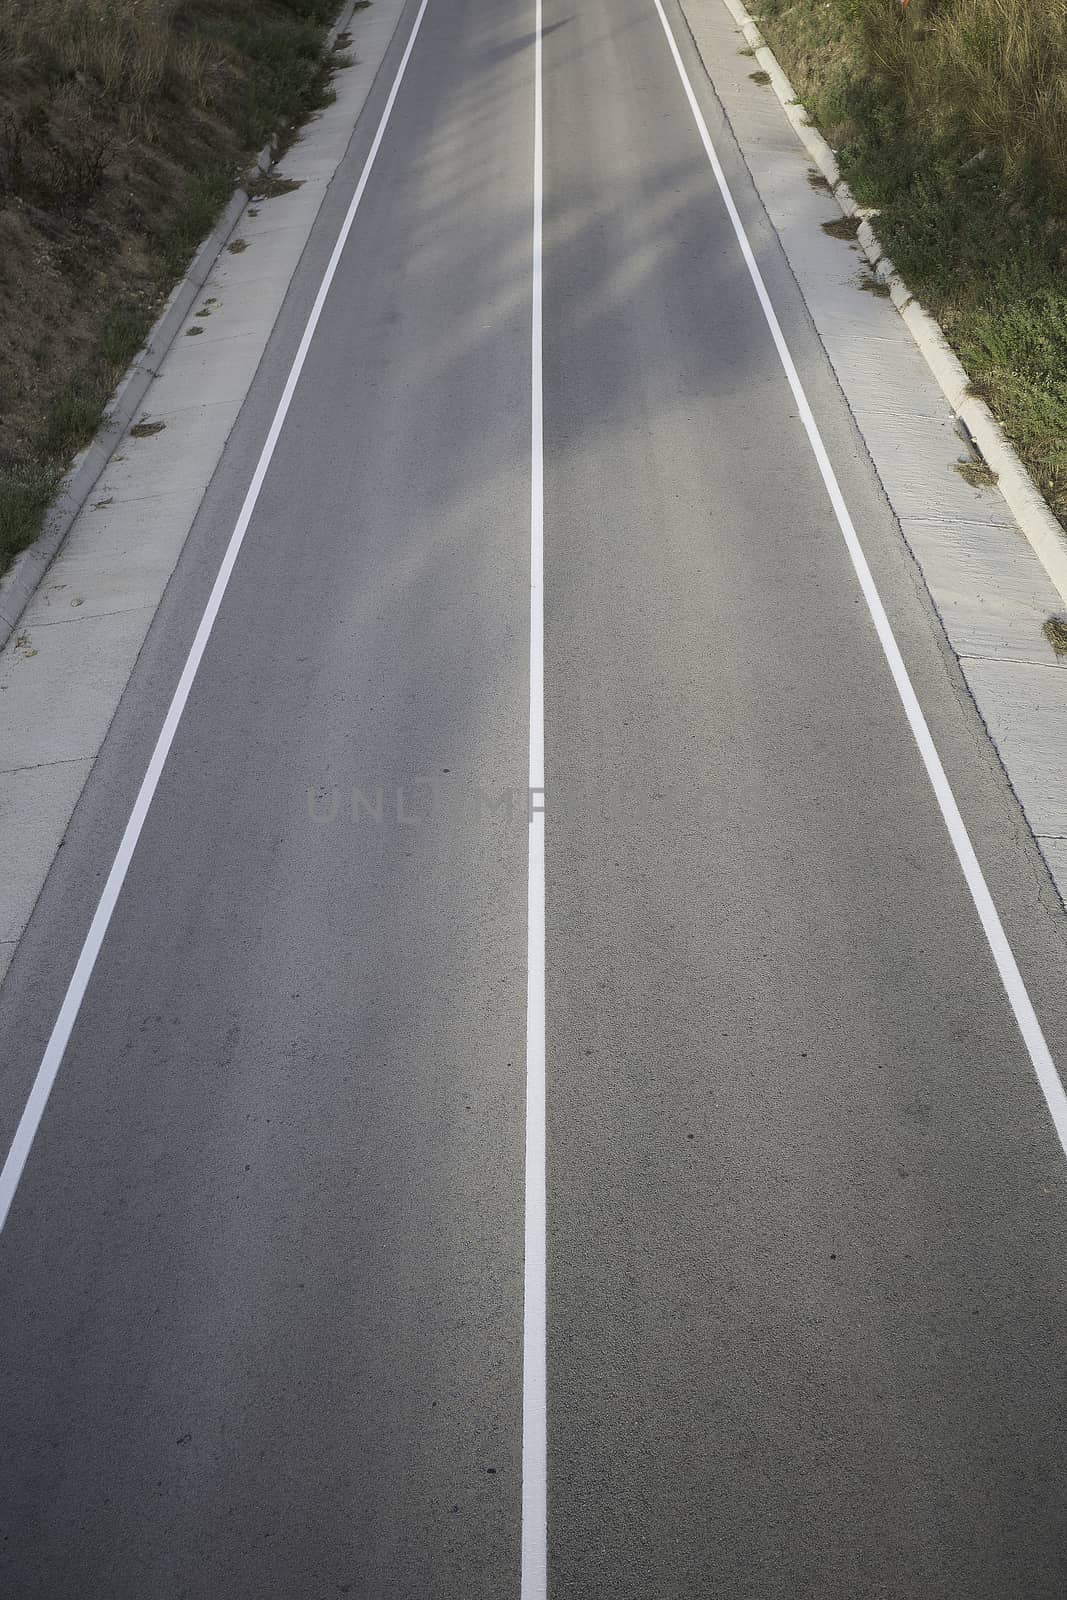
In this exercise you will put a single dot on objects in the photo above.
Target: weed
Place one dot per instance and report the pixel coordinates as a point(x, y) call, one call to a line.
point(760, 77)
point(842, 227)
point(1055, 631)
point(817, 181)
point(870, 284)
point(237, 247)
point(977, 473)
point(269, 187)
point(145, 430)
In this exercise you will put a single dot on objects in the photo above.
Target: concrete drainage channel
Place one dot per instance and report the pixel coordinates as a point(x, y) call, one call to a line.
point(76, 606)
point(991, 555)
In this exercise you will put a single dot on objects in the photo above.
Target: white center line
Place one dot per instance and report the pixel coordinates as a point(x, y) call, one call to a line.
point(1010, 976)
point(534, 1584)
point(34, 1109)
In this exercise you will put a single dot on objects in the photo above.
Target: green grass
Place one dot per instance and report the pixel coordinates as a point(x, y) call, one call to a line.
point(950, 118)
point(124, 127)
point(25, 492)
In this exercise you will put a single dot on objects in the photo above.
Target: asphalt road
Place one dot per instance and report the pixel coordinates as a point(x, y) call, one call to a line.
point(262, 1281)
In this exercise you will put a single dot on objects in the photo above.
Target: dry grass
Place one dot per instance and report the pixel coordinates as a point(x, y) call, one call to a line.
point(842, 227)
point(977, 473)
point(990, 75)
point(1055, 631)
point(993, 72)
point(871, 284)
point(124, 125)
point(128, 49)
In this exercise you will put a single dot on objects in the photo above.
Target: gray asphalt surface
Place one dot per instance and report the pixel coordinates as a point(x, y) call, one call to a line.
point(261, 1285)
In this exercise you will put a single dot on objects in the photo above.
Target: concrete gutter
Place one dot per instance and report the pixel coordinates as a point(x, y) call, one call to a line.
point(21, 580)
point(1027, 506)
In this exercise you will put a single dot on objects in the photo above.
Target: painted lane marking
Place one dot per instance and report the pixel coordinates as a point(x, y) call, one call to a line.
point(55, 1049)
point(534, 1578)
point(1010, 976)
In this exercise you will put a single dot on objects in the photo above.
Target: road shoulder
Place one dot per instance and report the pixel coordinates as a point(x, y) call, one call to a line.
point(987, 586)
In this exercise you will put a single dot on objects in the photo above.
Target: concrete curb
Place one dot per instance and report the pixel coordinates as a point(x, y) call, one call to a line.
point(20, 582)
point(1024, 500)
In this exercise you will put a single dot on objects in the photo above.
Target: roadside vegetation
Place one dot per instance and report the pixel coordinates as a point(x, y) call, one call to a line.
point(950, 117)
point(124, 126)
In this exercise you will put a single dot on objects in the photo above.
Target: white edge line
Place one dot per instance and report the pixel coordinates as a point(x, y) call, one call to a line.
point(534, 1567)
point(1010, 976)
point(34, 1109)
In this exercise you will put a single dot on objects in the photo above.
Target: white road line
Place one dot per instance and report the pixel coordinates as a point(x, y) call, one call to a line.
point(30, 1120)
point(1011, 977)
point(534, 1585)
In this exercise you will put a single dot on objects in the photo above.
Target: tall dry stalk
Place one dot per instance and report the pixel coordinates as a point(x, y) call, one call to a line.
point(128, 49)
point(994, 71)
